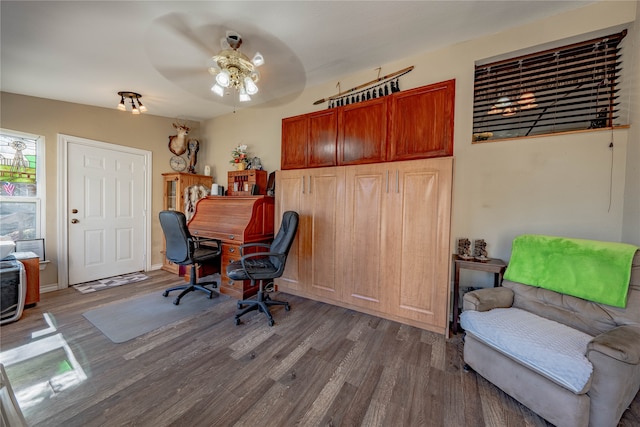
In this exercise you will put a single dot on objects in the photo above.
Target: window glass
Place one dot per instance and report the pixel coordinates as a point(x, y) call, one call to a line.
point(20, 189)
point(569, 88)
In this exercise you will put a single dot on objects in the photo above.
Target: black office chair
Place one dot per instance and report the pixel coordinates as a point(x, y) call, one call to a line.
point(184, 249)
point(263, 266)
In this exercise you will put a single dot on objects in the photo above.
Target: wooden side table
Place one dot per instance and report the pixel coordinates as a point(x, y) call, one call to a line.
point(493, 265)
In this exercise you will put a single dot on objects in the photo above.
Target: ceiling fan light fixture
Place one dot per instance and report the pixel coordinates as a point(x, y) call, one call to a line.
point(243, 96)
point(223, 78)
point(250, 86)
point(258, 59)
point(234, 69)
point(217, 89)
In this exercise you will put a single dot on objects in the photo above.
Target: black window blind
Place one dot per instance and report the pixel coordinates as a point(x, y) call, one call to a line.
point(569, 88)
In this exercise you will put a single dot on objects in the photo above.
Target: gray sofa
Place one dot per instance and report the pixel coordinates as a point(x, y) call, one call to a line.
point(612, 348)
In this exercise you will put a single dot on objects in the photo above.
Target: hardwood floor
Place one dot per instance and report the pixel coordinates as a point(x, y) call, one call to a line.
point(320, 365)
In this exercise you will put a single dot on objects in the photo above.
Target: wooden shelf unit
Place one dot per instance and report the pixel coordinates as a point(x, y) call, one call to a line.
point(173, 199)
point(240, 183)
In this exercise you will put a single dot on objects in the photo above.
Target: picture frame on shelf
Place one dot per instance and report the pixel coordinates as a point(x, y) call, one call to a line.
point(31, 245)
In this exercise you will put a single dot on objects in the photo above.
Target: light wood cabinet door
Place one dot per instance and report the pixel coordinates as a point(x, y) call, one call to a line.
point(366, 235)
point(419, 241)
point(289, 197)
point(314, 261)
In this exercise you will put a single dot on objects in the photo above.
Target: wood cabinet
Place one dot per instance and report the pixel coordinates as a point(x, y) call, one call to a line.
point(309, 140)
point(314, 262)
point(421, 122)
point(173, 199)
point(378, 242)
point(240, 183)
point(406, 125)
point(362, 132)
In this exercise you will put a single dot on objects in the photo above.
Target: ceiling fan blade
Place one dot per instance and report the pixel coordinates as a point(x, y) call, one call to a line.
point(178, 24)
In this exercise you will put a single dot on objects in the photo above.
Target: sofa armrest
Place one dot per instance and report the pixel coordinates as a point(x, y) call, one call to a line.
point(488, 298)
point(621, 343)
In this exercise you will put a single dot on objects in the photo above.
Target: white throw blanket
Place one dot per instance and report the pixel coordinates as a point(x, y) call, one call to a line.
point(552, 349)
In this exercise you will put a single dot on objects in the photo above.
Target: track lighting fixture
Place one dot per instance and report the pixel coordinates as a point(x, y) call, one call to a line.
point(135, 99)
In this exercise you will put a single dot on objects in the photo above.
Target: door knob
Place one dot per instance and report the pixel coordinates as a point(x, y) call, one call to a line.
point(74, 221)
point(74, 210)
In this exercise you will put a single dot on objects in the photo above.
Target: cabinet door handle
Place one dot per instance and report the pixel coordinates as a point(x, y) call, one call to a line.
point(302, 184)
point(387, 181)
point(397, 181)
point(309, 184)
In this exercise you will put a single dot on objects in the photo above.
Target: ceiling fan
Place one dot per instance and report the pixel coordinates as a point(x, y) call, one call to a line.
point(188, 50)
point(233, 69)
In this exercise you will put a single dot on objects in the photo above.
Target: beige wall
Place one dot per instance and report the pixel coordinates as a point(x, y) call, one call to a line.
point(555, 185)
point(631, 214)
point(49, 118)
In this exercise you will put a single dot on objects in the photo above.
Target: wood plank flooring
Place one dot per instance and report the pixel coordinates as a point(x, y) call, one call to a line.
point(320, 365)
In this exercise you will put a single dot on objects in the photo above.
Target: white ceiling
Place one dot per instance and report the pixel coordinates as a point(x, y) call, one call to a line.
point(87, 51)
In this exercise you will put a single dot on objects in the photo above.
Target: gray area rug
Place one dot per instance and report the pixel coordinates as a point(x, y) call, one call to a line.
point(109, 282)
point(124, 320)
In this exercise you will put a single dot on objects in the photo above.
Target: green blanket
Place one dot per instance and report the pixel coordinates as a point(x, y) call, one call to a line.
point(588, 269)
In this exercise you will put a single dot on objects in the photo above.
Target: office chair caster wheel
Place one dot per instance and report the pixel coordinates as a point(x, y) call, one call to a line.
point(165, 294)
point(286, 307)
point(211, 295)
point(239, 306)
point(176, 301)
point(237, 321)
point(271, 322)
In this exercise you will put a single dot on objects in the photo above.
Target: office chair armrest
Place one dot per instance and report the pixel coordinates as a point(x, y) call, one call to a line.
point(252, 245)
point(197, 240)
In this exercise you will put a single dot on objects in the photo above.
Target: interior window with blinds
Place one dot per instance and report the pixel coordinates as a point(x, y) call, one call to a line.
point(569, 88)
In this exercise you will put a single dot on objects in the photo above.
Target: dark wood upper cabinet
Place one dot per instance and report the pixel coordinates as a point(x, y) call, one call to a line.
point(295, 133)
point(421, 122)
point(309, 140)
point(412, 124)
point(323, 129)
point(362, 132)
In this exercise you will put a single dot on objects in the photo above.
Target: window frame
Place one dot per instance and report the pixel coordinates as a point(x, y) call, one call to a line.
point(40, 199)
point(589, 83)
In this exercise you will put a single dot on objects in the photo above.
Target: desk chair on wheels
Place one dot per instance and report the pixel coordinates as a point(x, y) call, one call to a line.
point(184, 249)
point(264, 266)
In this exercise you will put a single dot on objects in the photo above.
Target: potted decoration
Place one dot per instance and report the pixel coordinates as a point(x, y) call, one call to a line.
point(239, 157)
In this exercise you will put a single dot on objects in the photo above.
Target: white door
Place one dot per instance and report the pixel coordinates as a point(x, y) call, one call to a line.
point(106, 212)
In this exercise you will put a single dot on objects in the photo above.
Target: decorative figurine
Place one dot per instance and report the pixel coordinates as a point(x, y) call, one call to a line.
point(464, 248)
point(480, 250)
point(192, 151)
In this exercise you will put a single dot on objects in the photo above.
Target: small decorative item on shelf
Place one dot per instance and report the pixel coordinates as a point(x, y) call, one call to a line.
point(480, 250)
point(464, 248)
point(239, 157)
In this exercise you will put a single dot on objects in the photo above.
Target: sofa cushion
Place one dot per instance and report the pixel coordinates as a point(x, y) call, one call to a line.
point(552, 349)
